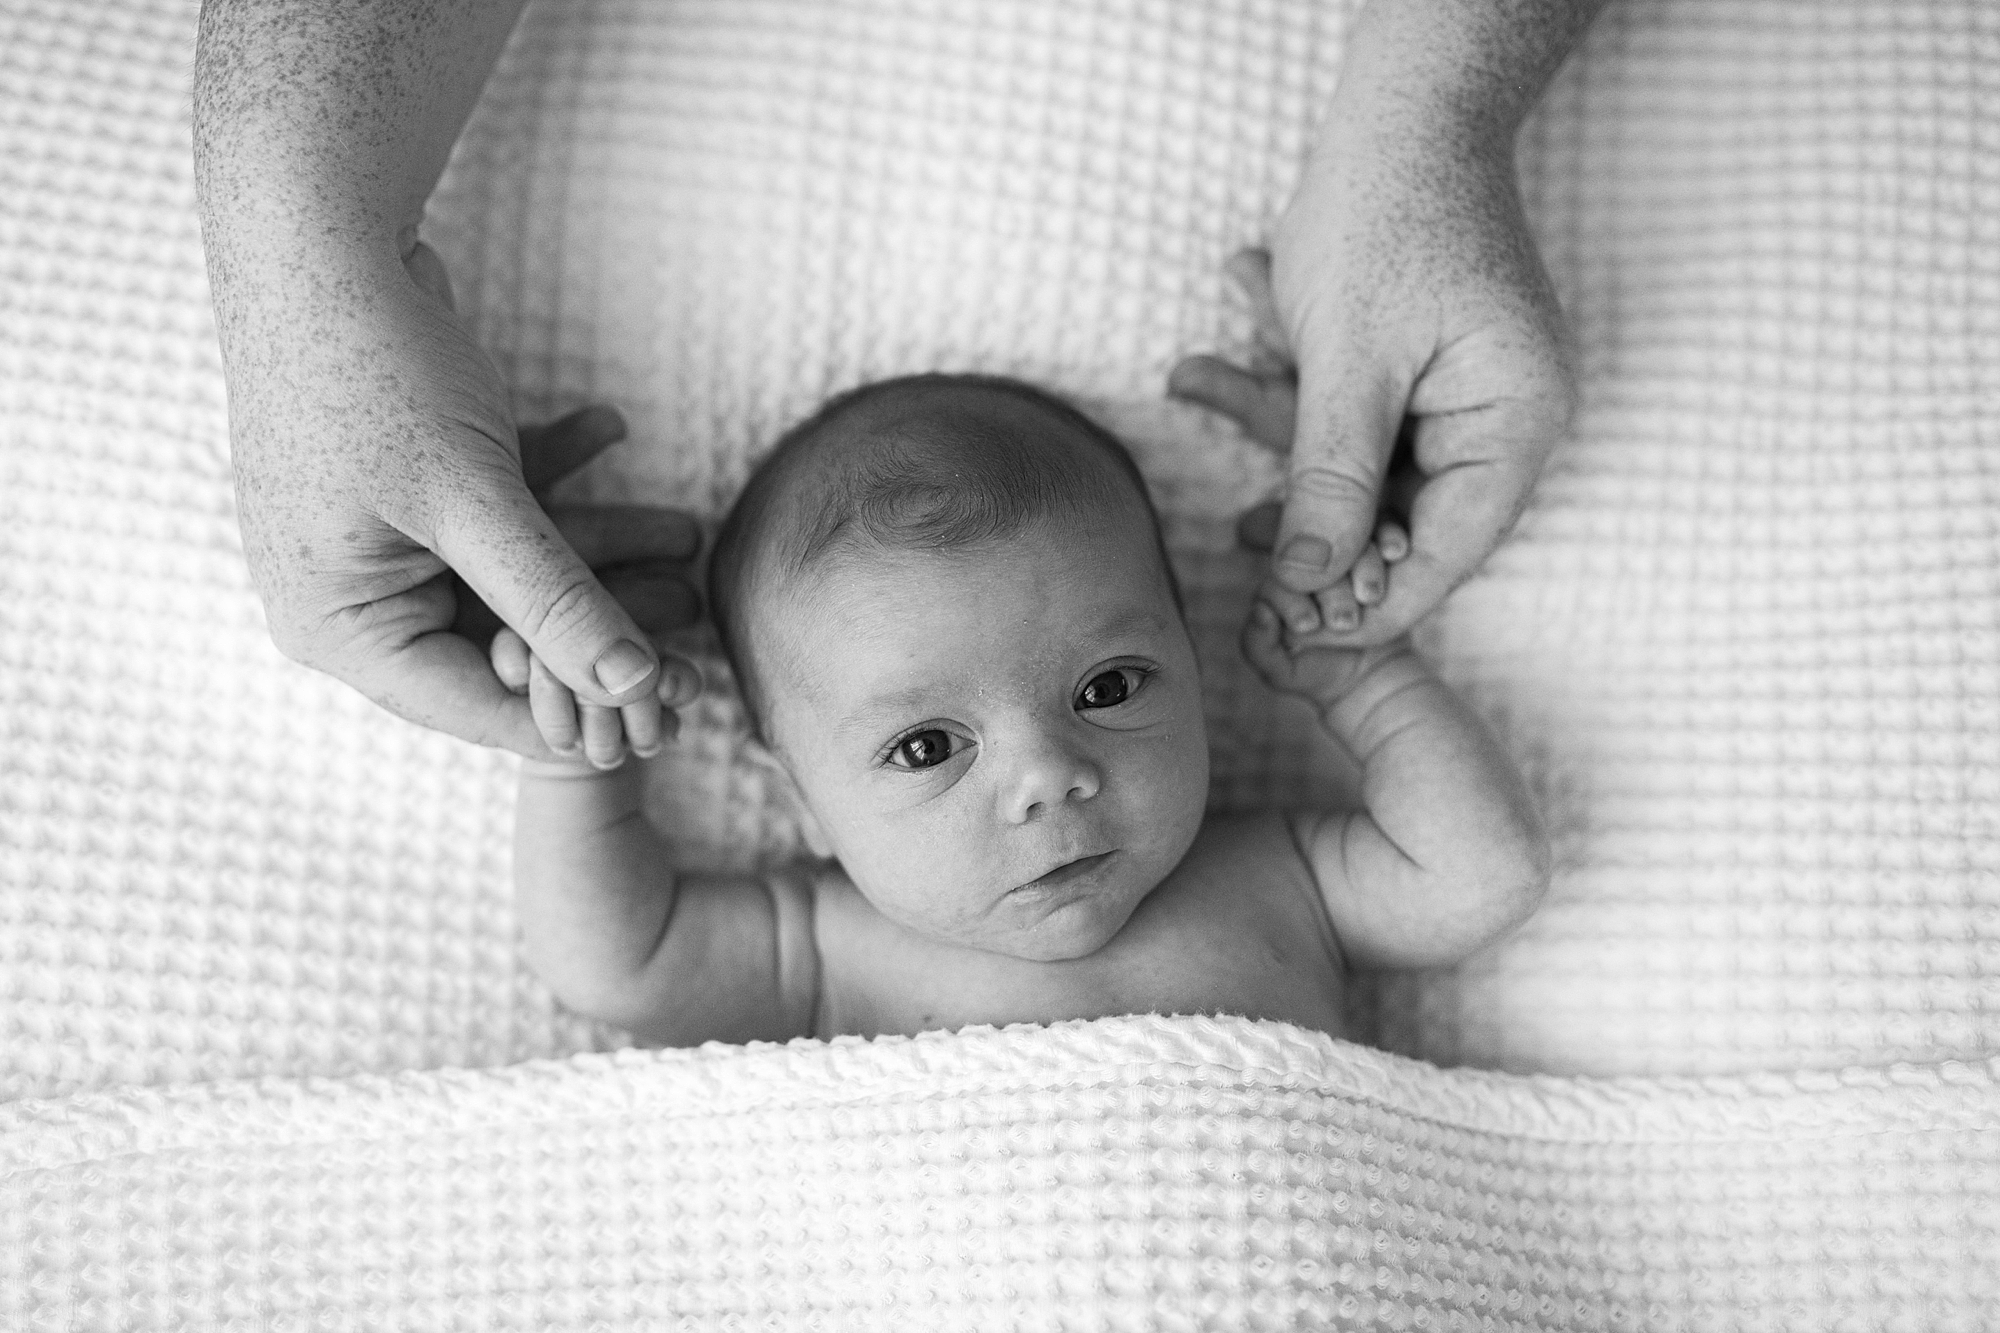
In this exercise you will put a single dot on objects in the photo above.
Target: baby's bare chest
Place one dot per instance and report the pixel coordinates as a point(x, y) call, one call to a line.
point(1236, 929)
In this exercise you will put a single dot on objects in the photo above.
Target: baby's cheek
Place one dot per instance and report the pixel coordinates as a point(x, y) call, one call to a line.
point(1180, 798)
point(922, 873)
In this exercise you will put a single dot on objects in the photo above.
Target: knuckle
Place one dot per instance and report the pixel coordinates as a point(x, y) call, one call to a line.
point(294, 640)
point(563, 611)
point(1332, 483)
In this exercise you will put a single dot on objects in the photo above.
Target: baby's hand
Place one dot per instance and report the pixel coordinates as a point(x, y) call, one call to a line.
point(1321, 675)
point(599, 736)
point(1264, 401)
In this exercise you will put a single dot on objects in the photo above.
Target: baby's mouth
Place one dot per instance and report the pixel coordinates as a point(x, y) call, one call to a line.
point(1062, 877)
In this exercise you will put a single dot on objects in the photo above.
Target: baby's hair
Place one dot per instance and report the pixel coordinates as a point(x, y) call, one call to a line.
point(929, 472)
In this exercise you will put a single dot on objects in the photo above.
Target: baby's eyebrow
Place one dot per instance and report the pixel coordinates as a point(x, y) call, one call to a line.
point(1136, 620)
point(870, 715)
point(872, 712)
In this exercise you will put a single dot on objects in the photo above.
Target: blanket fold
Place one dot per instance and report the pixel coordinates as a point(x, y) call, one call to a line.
point(1124, 1173)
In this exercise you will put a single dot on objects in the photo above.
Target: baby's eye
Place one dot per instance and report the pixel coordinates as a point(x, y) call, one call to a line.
point(1108, 689)
point(922, 749)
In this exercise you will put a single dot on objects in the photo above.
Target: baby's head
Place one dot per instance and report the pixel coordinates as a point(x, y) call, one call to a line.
point(950, 611)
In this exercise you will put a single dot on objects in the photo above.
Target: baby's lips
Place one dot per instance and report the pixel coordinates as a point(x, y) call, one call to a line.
point(680, 683)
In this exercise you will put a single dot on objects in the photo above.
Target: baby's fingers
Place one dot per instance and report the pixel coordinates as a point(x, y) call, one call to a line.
point(553, 708)
point(509, 653)
point(1392, 540)
point(1264, 648)
point(1297, 612)
point(604, 735)
point(1370, 576)
point(1339, 606)
point(651, 723)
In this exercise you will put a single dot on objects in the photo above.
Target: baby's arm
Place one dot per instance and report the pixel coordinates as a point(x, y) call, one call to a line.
point(620, 936)
point(1448, 852)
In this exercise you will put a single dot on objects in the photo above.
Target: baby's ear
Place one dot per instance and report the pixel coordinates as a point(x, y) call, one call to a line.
point(759, 755)
point(814, 835)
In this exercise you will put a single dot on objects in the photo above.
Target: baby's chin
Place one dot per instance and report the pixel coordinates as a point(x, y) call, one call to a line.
point(1074, 930)
point(1051, 946)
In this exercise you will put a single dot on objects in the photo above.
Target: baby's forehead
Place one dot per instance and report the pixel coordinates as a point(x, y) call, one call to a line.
point(950, 466)
point(891, 616)
point(976, 421)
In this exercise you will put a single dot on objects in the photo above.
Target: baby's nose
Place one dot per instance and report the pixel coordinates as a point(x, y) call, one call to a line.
point(1049, 775)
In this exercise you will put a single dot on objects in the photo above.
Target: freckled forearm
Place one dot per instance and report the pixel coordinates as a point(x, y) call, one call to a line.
point(324, 126)
point(1465, 70)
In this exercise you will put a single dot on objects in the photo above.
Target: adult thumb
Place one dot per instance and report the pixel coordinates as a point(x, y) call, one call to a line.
point(507, 548)
point(1340, 455)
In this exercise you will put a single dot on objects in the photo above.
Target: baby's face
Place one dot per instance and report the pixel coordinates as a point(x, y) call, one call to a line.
point(1004, 746)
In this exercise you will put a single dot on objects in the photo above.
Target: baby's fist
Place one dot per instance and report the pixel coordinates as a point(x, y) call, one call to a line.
point(1319, 674)
point(590, 732)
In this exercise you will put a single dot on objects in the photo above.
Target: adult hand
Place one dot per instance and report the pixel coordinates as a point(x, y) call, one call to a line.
point(1409, 290)
point(390, 523)
point(1263, 400)
point(374, 450)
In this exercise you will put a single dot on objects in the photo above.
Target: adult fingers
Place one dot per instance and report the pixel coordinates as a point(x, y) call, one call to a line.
point(1266, 409)
point(557, 448)
point(1348, 413)
point(395, 652)
point(605, 535)
point(640, 555)
point(655, 596)
point(1251, 270)
point(1257, 530)
point(508, 550)
point(426, 269)
point(1459, 517)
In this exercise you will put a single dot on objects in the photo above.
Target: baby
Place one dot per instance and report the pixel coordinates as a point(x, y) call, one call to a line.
point(949, 608)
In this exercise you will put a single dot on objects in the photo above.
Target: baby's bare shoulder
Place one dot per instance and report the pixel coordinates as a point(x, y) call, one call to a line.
point(1258, 844)
point(1237, 928)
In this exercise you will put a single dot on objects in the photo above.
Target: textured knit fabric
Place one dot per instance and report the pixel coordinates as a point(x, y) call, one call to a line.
point(1137, 1173)
point(1745, 643)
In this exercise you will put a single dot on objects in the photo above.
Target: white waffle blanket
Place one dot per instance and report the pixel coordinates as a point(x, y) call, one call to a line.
point(1140, 1173)
point(1746, 644)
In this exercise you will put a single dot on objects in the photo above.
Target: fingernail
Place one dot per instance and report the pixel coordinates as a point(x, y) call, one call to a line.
point(1343, 620)
point(646, 752)
point(680, 684)
point(623, 665)
point(1304, 621)
point(1308, 553)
